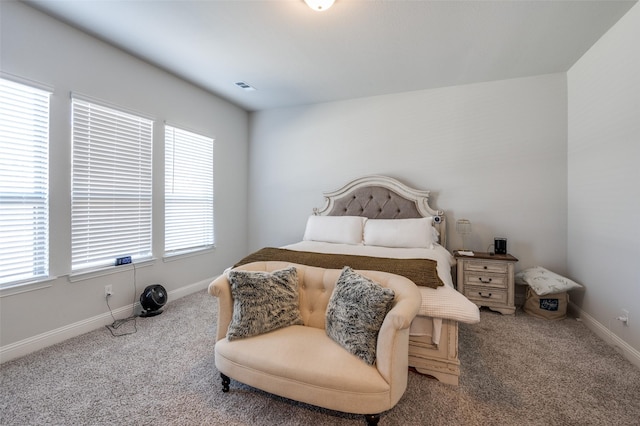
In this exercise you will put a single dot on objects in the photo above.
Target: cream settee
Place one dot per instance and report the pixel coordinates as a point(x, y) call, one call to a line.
point(302, 363)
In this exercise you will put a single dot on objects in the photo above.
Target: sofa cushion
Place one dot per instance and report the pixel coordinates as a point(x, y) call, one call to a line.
point(263, 301)
point(355, 313)
point(301, 354)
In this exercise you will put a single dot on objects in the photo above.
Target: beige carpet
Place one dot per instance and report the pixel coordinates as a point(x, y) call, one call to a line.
point(515, 371)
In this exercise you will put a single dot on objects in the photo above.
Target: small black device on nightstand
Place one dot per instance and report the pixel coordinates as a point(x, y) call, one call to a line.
point(500, 245)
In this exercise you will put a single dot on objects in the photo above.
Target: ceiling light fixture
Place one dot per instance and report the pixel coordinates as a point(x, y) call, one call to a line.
point(319, 5)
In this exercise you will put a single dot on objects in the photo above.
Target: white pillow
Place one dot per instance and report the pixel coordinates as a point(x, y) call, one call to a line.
point(408, 233)
point(335, 229)
point(542, 281)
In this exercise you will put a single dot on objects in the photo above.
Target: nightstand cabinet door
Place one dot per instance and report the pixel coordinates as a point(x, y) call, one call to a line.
point(487, 280)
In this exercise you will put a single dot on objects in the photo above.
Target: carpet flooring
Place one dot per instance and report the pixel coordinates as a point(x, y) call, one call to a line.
point(516, 370)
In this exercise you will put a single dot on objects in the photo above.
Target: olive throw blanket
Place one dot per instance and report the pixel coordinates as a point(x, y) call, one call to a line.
point(421, 271)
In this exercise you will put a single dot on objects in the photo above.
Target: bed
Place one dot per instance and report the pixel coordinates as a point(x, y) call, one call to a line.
point(377, 222)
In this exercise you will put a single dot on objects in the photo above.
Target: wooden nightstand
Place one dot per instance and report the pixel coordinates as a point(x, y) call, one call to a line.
point(487, 280)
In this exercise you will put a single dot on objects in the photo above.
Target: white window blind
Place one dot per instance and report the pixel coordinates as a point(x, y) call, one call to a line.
point(111, 185)
point(188, 191)
point(24, 183)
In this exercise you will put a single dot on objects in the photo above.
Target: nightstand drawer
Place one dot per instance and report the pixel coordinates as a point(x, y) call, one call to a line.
point(485, 294)
point(488, 280)
point(479, 266)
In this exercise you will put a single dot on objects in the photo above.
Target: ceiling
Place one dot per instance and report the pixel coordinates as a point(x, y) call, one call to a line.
point(293, 56)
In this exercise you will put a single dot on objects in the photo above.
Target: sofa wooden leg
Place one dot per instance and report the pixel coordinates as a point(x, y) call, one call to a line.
point(372, 419)
point(225, 382)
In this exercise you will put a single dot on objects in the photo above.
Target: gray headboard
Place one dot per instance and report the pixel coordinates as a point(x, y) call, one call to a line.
point(382, 197)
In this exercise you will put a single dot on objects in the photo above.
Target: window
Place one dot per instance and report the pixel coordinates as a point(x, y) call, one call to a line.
point(111, 185)
point(188, 191)
point(24, 183)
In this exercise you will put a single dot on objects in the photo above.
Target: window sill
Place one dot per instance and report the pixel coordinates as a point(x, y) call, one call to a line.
point(24, 287)
point(184, 254)
point(94, 273)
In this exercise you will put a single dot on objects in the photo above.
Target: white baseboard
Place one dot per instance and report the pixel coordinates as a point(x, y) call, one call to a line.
point(189, 289)
point(605, 334)
point(43, 340)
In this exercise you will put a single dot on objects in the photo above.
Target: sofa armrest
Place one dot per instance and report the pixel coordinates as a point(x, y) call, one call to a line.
point(221, 289)
point(392, 351)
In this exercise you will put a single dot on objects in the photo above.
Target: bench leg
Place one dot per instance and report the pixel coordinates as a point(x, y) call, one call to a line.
point(225, 382)
point(372, 419)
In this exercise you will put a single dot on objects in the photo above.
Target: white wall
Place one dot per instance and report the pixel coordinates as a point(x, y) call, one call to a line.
point(604, 178)
point(39, 48)
point(494, 153)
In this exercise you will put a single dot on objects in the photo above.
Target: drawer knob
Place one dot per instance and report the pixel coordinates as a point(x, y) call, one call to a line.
point(485, 267)
point(483, 281)
point(486, 296)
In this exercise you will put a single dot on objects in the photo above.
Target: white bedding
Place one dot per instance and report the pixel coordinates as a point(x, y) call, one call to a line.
point(441, 303)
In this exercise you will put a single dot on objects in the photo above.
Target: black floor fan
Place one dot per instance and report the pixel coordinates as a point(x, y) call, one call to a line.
point(152, 299)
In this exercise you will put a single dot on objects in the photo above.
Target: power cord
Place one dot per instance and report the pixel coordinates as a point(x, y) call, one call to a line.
point(113, 327)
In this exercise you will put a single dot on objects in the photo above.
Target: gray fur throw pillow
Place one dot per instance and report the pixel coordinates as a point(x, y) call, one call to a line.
point(355, 313)
point(263, 302)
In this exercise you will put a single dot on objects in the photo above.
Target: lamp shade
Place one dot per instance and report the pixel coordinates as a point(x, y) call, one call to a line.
point(463, 226)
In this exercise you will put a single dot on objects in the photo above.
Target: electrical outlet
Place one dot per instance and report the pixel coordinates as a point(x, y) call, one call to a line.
point(108, 290)
point(624, 317)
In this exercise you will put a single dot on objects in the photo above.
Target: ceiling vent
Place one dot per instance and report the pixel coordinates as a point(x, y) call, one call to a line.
point(245, 86)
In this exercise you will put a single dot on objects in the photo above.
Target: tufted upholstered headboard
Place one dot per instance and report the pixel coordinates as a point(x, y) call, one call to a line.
point(382, 197)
